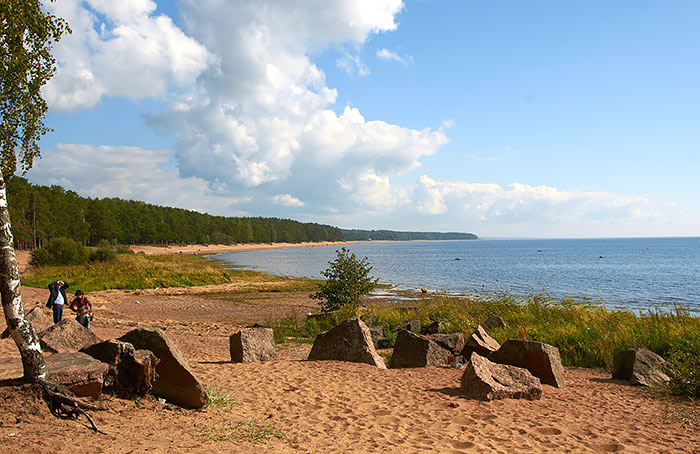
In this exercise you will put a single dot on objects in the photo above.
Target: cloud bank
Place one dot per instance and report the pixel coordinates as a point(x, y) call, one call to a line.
point(257, 130)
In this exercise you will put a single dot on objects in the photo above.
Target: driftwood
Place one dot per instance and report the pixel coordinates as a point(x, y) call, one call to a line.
point(62, 405)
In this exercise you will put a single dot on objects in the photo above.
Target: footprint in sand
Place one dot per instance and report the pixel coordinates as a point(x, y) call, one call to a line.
point(548, 430)
point(608, 447)
point(463, 445)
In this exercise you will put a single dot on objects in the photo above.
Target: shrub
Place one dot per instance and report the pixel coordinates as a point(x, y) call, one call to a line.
point(60, 251)
point(123, 249)
point(102, 255)
point(347, 281)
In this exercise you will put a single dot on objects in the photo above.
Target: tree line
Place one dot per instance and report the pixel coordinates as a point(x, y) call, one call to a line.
point(393, 235)
point(40, 213)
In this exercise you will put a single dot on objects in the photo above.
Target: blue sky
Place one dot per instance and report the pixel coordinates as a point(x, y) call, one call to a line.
point(508, 118)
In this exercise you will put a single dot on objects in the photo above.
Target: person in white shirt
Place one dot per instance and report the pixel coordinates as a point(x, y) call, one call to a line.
point(57, 299)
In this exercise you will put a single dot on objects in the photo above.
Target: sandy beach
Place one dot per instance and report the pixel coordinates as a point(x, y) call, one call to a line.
point(219, 248)
point(328, 406)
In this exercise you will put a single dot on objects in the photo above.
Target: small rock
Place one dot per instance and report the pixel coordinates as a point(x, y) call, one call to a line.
point(493, 322)
point(411, 325)
point(435, 328)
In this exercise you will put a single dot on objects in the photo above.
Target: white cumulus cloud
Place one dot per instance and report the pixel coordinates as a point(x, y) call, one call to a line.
point(120, 48)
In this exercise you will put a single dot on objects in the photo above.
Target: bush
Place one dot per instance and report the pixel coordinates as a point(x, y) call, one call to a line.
point(60, 251)
point(102, 255)
point(123, 249)
point(347, 281)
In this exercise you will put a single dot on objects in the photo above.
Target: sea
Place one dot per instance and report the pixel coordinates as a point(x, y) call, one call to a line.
point(641, 274)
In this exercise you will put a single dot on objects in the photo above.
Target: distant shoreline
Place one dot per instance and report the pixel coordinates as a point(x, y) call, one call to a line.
point(199, 249)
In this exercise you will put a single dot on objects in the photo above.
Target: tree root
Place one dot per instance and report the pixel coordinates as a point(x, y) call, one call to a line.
point(62, 405)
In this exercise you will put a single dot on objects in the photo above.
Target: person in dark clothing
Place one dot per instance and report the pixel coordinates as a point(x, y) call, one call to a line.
point(57, 299)
point(83, 308)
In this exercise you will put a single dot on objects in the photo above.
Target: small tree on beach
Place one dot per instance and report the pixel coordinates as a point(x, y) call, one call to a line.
point(347, 280)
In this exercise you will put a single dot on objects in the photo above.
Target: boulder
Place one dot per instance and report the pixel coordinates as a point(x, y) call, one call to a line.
point(37, 317)
point(481, 343)
point(435, 328)
point(454, 343)
point(66, 336)
point(413, 350)
point(542, 360)
point(174, 380)
point(485, 380)
point(350, 341)
point(131, 371)
point(411, 325)
point(493, 322)
point(80, 373)
point(640, 366)
point(252, 345)
point(377, 333)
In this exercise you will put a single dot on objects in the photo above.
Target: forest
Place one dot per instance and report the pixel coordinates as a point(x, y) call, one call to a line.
point(40, 213)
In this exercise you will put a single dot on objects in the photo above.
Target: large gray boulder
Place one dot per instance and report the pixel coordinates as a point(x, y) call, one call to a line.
point(252, 345)
point(78, 372)
point(542, 360)
point(66, 336)
point(175, 380)
point(640, 366)
point(350, 341)
point(131, 371)
point(454, 342)
point(39, 319)
point(481, 343)
point(413, 350)
point(486, 380)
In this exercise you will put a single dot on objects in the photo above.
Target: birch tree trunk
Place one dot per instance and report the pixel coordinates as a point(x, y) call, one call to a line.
point(21, 330)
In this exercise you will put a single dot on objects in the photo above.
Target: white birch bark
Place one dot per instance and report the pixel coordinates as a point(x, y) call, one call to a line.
point(21, 330)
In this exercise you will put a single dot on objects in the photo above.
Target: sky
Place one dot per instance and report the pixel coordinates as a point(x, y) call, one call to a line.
point(502, 118)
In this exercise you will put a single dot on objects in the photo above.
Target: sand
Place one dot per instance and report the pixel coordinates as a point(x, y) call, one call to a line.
point(219, 248)
point(328, 406)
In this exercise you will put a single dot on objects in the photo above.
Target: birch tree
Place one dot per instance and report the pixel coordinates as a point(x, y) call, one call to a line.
point(26, 64)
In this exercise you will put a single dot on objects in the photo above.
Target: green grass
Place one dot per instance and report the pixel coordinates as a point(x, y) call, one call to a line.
point(137, 271)
point(586, 334)
point(220, 399)
point(249, 429)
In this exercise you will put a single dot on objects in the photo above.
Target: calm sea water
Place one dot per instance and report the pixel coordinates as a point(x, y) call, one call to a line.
point(643, 273)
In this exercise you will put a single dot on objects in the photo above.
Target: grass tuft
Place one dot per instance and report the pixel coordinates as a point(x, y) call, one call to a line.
point(220, 399)
point(249, 429)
